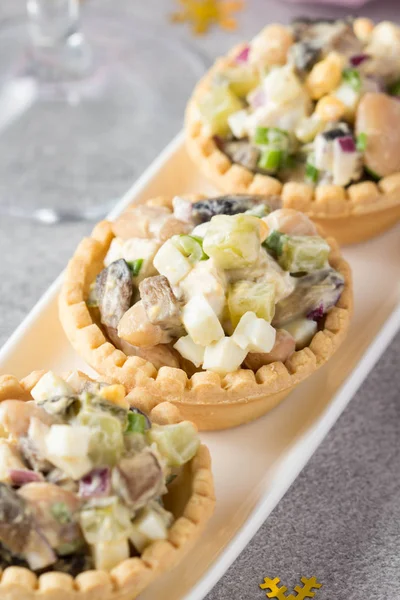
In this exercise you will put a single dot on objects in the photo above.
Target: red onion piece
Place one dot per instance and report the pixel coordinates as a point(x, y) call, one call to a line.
point(95, 484)
point(257, 98)
point(357, 59)
point(22, 476)
point(243, 55)
point(347, 143)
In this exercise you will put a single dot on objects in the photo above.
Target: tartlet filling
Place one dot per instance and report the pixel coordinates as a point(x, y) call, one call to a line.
point(317, 101)
point(237, 282)
point(82, 476)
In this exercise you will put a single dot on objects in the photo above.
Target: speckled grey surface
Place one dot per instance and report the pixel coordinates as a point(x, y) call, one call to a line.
point(340, 521)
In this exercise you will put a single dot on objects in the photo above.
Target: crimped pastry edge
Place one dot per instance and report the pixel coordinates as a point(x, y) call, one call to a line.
point(322, 203)
point(128, 579)
point(206, 389)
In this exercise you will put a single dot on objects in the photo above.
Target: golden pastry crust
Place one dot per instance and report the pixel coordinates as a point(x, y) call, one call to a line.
point(128, 579)
point(351, 214)
point(207, 399)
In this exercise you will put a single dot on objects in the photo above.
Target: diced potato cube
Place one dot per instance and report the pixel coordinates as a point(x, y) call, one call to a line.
point(189, 350)
point(115, 252)
point(148, 528)
point(201, 322)
point(233, 241)
point(49, 386)
point(171, 263)
point(67, 441)
point(107, 555)
point(144, 249)
point(238, 123)
point(303, 330)
point(282, 85)
point(258, 297)
point(208, 281)
point(224, 356)
point(254, 334)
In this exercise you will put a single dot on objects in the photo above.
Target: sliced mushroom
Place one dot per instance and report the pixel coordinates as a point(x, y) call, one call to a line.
point(161, 306)
point(328, 35)
point(16, 521)
point(74, 564)
point(313, 295)
point(114, 290)
point(231, 204)
point(55, 510)
point(242, 152)
point(138, 479)
point(16, 415)
point(283, 348)
point(18, 532)
point(378, 117)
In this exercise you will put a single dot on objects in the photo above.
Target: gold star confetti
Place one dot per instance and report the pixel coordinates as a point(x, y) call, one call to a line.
point(202, 14)
point(302, 592)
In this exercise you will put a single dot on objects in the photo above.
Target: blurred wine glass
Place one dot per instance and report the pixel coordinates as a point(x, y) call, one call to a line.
point(82, 107)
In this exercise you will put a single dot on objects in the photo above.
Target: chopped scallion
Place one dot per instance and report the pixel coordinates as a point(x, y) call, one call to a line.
point(394, 89)
point(312, 173)
point(353, 78)
point(270, 160)
point(135, 266)
point(136, 423)
point(361, 142)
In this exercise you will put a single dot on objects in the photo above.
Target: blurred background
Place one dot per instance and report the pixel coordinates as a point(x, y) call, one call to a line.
point(71, 146)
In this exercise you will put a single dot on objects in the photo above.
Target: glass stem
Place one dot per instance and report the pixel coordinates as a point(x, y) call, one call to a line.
point(59, 50)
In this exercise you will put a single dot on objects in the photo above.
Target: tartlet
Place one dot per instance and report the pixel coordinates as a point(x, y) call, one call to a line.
point(213, 400)
point(345, 92)
point(190, 497)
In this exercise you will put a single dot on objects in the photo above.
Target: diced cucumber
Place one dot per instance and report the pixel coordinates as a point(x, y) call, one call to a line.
point(190, 246)
point(177, 443)
point(257, 297)
point(233, 241)
point(240, 80)
point(216, 107)
point(105, 520)
point(106, 436)
point(298, 253)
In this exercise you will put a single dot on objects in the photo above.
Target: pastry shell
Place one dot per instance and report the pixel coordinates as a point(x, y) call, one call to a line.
point(208, 399)
point(191, 494)
point(350, 215)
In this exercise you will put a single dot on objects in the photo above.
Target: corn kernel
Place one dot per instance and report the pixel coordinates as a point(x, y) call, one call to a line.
point(115, 393)
point(330, 108)
point(363, 28)
point(325, 76)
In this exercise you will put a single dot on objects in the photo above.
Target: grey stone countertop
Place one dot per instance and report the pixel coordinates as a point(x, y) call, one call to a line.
point(340, 521)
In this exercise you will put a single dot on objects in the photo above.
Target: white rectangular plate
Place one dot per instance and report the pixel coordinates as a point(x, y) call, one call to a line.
point(269, 453)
